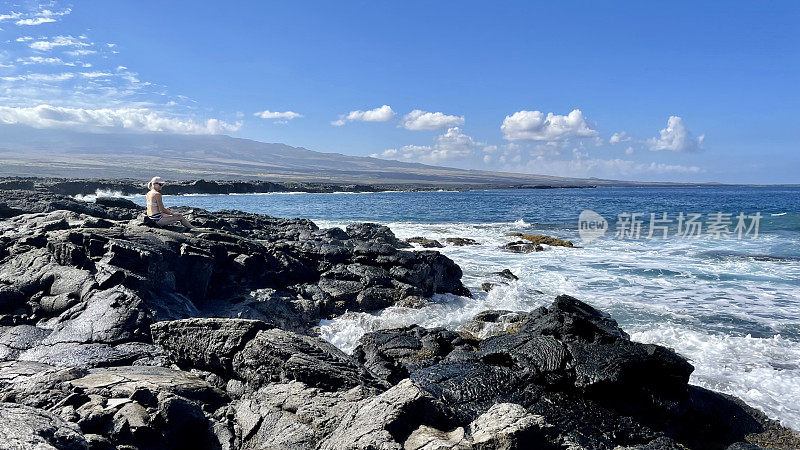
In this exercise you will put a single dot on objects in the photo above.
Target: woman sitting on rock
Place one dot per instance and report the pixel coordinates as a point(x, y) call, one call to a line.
point(156, 210)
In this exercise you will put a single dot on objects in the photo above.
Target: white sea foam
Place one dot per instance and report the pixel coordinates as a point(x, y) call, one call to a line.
point(98, 193)
point(764, 372)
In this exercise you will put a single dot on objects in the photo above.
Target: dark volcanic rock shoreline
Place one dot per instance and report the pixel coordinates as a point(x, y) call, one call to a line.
point(117, 335)
point(126, 186)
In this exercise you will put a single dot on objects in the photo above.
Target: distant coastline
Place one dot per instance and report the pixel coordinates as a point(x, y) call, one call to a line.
point(131, 186)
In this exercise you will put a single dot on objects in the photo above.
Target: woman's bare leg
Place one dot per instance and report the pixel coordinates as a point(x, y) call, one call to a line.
point(175, 218)
point(185, 222)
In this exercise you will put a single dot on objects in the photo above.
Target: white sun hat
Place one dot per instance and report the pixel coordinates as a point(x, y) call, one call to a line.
point(155, 180)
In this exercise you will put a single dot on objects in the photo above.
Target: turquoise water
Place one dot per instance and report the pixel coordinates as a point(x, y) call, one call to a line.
point(729, 305)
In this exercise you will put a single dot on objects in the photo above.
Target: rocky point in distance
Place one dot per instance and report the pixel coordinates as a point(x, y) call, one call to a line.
point(117, 335)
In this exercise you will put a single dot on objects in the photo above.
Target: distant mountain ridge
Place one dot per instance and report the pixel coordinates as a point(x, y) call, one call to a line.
point(61, 153)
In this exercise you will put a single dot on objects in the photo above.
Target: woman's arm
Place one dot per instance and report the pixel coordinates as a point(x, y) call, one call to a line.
point(161, 206)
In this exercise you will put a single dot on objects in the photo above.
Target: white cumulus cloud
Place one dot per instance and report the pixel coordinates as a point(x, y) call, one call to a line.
point(278, 116)
point(622, 136)
point(381, 114)
point(453, 145)
point(109, 120)
point(535, 126)
point(676, 137)
point(423, 120)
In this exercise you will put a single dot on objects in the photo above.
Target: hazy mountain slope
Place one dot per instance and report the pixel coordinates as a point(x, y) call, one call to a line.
point(25, 151)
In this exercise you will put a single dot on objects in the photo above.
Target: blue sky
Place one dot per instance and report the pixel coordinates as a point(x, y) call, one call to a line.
point(639, 90)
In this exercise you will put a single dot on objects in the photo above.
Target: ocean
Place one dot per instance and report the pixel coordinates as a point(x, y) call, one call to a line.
point(728, 303)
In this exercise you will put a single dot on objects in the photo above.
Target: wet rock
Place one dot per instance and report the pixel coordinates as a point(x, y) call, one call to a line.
point(486, 287)
point(542, 239)
point(461, 241)
point(507, 274)
point(413, 301)
point(493, 323)
point(522, 247)
point(424, 242)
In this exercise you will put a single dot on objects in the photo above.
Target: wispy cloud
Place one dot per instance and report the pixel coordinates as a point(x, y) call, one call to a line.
point(41, 77)
point(35, 21)
point(59, 41)
point(81, 52)
point(95, 74)
point(29, 60)
point(10, 16)
point(108, 120)
point(40, 17)
point(60, 91)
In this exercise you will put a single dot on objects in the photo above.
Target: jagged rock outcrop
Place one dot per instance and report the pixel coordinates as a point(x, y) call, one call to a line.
point(580, 377)
point(96, 278)
point(256, 354)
